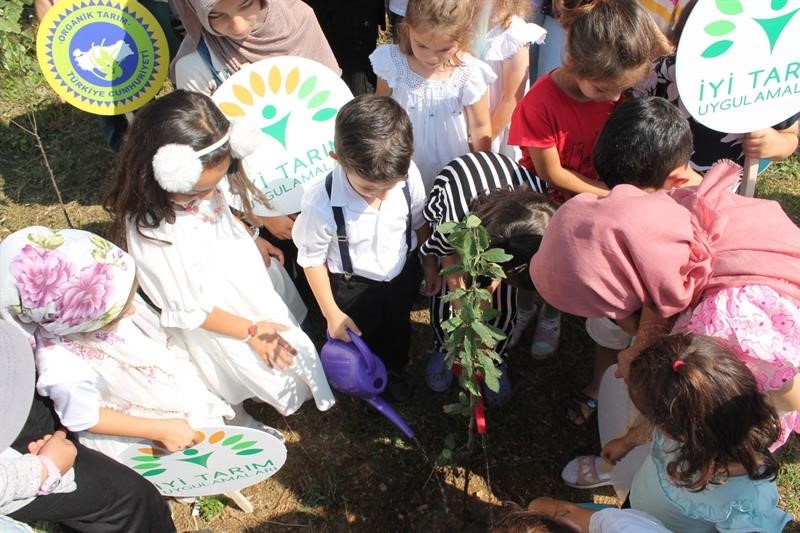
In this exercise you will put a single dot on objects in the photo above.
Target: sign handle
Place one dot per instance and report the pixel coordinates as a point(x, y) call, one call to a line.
point(748, 186)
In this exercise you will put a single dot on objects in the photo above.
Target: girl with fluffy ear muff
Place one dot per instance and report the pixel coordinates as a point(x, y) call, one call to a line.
point(199, 264)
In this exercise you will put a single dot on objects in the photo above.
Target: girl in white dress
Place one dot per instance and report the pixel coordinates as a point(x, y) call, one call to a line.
point(441, 86)
point(504, 47)
point(112, 374)
point(199, 263)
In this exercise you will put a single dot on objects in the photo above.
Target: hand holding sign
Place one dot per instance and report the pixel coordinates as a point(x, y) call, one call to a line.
point(738, 65)
point(224, 459)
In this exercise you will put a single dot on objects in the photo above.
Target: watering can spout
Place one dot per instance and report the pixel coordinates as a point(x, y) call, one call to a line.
point(388, 411)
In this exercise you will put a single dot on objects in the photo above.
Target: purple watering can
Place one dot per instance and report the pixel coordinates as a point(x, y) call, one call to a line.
point(353, 369)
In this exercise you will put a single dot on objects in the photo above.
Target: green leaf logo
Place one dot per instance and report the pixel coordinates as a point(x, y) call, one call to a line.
point(773, 27)
point(290, 84)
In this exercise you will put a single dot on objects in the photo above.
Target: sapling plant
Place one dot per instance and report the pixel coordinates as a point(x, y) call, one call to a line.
point(470, 337)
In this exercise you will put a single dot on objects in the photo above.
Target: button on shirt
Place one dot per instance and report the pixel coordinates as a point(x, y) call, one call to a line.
point(376, 237)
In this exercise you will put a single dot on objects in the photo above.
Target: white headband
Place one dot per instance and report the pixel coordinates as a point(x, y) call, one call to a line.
point(177, 167)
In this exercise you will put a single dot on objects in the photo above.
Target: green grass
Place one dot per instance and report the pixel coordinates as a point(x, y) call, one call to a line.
point(345, 455)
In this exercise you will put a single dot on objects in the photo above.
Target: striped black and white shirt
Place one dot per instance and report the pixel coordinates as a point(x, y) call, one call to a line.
point(462, 180)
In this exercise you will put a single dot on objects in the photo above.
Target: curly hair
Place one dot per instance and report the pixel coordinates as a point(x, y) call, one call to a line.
point(180, 117)
point(695, 390)
point(506, 9)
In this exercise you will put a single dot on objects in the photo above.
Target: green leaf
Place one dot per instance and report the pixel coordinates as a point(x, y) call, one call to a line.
point(497, 255)
point(307, 87)
point(154, 472)
point(318, 99)
point(486, 335)
point(232, 439)
point(458, 268)
point(145, 466)
point(453, 409)
point(472, 222)
point(324, 114)
point(446, 227)
point(716, 49)
point(251, 451)
point(729, 7)
point(720, 28)
point(450, 441)
point(245, 444)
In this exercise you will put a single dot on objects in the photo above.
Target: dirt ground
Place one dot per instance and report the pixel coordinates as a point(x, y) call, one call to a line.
point(350, 469)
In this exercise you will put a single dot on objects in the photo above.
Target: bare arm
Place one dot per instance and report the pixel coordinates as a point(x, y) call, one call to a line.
point(382, 88)
point(174, 433)
point(787, 398)
point(562, 510)
point(479, 124)
point(433, 282)
point(548, 166)
point(515, 74)
point(652, 326)
point(338, 322)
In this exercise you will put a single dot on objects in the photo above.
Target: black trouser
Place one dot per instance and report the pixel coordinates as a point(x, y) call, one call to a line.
point(110, 497)
point(382, 310)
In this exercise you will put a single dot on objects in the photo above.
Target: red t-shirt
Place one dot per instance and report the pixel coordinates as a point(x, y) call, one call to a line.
point(547, 117)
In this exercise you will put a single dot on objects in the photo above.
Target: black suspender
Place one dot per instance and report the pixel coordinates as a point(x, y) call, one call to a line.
point(341, 228)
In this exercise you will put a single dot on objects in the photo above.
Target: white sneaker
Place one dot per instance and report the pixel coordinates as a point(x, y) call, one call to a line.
point(547, 333)
point(521, 322)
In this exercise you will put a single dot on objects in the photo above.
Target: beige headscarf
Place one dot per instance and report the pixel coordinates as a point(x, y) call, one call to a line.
point(284, 27)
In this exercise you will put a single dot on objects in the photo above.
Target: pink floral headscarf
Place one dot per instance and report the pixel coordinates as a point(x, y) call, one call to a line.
point(64, 281)
point(611, 256)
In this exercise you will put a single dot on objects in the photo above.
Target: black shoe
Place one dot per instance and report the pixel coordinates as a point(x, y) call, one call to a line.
point(398, 389)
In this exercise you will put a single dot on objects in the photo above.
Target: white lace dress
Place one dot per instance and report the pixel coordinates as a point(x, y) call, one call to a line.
point(436, 107)
point(134, 369)
point(206, 259)
point(499, 45)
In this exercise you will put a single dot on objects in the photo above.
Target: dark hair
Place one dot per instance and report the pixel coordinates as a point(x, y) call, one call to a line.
point(515, 220)
point(519, 520)
point(643, 141)
point(179, 117)
point(709, 403)
point(606, 38)
point(374, 138)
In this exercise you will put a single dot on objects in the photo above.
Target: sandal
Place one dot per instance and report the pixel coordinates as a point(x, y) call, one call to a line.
point(580, 409)
point(586, 472)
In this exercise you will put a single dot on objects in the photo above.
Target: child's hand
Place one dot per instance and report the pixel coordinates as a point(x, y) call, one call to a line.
point(340, 326)
point(271, 347)
point(57, 448)
point(433, 281)
point(280, 226)
point(268, 251)
point(175, 434)
point(615, 449)
point(768, 143)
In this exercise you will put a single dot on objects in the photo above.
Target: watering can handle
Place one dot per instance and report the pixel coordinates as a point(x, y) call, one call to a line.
point(365, 351)
point(362, 347)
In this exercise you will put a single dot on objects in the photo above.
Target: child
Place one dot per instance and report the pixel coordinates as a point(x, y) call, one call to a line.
point(39, 463)
point(441, 86)
point(710, 466)
point(721, 264)
point(354, 233)
point(99, 357)
point(663, 145)
point(199, 264)
point(500, 192)
point(775, 144)
point(610, 44)
point(505, 49)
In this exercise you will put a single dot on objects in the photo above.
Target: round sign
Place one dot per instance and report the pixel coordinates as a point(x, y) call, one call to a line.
point(226, 458)
point(738, 63)
point(106, 57)
point(293, 101)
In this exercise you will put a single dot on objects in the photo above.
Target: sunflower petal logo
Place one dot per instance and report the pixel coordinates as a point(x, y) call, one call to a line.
point(737, 64)
point(294, 102)
point(229, 458)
